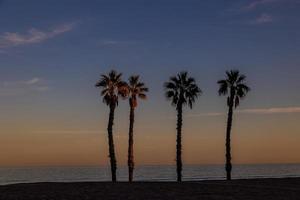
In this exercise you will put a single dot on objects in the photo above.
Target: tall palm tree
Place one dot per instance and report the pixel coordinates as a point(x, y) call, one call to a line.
point(234, 86)
point(181, 90)
point(112, 87)
point(135, 90)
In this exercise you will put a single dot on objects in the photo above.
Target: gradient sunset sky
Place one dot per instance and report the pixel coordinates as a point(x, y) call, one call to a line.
point(52, 52)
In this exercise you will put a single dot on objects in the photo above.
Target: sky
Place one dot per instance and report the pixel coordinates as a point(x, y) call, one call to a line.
point(52, 52)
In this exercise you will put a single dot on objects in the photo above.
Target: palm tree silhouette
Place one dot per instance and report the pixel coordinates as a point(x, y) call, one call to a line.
point(236, 89)
point(181, 90)
point(112, 87)
point(135, 90)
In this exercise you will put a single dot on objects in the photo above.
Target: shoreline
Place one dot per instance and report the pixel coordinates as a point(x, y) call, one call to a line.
point(264, 188)
point(155, 181)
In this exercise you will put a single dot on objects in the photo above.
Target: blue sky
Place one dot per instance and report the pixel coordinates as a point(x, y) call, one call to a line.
point(66, 43)
point(53, 51)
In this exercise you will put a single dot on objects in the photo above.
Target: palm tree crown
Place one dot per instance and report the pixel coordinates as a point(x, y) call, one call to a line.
point(182, 89)
point(136, 89)
point(112, 87)
point(235, 85)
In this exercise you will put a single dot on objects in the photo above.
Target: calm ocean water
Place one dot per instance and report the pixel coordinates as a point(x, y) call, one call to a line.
point(144, 173)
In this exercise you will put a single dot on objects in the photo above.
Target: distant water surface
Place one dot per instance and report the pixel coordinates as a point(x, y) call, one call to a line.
point(144, 173)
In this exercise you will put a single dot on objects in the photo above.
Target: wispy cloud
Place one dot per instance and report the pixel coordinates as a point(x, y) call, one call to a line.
point(282, 110)
point(256, 111)
point(263, 19)
point(267, 5)
point(210, 114)
point(256, 3)
point(32, 36)
point(69, 132)
point(33, 81)
point(14, 88)
point(109, 42)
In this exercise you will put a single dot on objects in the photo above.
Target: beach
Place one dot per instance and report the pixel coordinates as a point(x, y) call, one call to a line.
point(275, 189)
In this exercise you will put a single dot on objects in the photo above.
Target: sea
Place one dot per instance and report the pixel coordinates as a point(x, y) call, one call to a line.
point(149, 173)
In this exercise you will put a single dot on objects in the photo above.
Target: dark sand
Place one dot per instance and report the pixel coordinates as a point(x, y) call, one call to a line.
point(273, 189)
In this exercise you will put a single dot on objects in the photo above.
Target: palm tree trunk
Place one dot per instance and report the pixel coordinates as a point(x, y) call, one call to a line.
point(130, 145)
point(228, 165)
point(113, 162)
point(178, 145)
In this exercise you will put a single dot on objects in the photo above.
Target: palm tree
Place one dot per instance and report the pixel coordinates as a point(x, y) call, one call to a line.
point(112, 87)
point(181, 90)
point(234, 86)
point(135, 90)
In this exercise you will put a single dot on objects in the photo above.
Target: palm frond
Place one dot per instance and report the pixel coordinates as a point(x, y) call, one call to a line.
point(142, 96)
point(234, 83)
point(223, 87)
point(170, 94)
point(136, 89)
point(103, 81)
point(242, 90)
point(190, 80)
point(236, 101)
point(105, 91)
point(175, 80)
point(170, 85)
point(112, 86)
point(133, 80)
point(144, 89)
point(241, 78)
point(182, 77)
point(140, 84)
point(182, 89)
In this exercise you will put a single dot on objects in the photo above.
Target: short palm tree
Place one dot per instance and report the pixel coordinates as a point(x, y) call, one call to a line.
point(181, 90)
point(112, 87)
point(234, 86)
point(135, 90)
